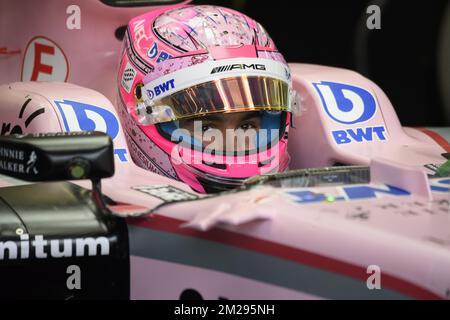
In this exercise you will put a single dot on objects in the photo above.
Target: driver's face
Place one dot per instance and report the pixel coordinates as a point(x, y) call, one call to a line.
point(244, 126)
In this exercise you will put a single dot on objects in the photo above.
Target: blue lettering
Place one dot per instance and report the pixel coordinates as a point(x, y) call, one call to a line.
point(363, 192)
point(307, 196)
point(121, 154)
point(166, 86)
point(78, 116)
point(380, 132)
point(351, 192)
point(360, 192)
point(361, 134)
point(358, 135)
point(86, 117)
point(153, 51)
point(340, 136)
point(163, 56)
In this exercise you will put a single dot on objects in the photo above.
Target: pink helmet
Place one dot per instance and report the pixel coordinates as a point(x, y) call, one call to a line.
point(187, 62)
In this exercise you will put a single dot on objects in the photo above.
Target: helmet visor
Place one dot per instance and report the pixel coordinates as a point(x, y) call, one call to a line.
point(231, 94)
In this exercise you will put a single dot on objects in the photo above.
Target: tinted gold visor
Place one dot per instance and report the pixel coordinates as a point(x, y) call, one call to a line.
point(233, 94)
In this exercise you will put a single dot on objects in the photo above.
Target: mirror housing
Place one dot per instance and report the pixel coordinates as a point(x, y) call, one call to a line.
point(57, 156)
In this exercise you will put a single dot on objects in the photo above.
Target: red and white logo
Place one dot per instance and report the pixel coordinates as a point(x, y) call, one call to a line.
point(44, 60)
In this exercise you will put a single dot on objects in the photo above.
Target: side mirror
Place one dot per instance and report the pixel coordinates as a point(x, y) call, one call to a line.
point(64, 156)
point(57, 156)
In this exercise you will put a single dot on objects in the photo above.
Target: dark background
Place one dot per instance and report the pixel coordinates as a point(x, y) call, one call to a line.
point(401, 57)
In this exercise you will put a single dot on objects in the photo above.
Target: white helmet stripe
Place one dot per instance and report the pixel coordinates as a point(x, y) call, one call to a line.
point(214, 70)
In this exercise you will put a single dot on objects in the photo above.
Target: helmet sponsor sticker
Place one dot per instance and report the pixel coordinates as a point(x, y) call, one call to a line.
point(214, 70)
point(161, 88)
point(128, 76)
point(153, 53)
point(139, 33)
point(134, 58)
point(239, 66)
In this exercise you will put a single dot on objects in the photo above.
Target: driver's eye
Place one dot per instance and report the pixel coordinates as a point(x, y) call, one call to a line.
point(247, 126)
point(206, 127)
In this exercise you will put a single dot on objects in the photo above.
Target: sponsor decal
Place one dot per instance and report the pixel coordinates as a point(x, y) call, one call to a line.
point(361, 192)
point(18, 161)
point(441, 185)
point(195, 74)
point(161, 88)
point(14, 160)
point(78, 116)
point(359, 135)
point(154, 53)
point(128, 76)
point(163, 56)
point(142, 160)
point(350, 105)
point(166, 193)
point(121, 153)
point(346, 193)
point(41, 248)
point(10, 128)
point(238, 66)
point(135, 59)
point(44, 60)
point(139, 32)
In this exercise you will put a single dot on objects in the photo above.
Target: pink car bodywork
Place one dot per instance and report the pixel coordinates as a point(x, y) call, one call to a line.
point(88, 56)
point(264, 243)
